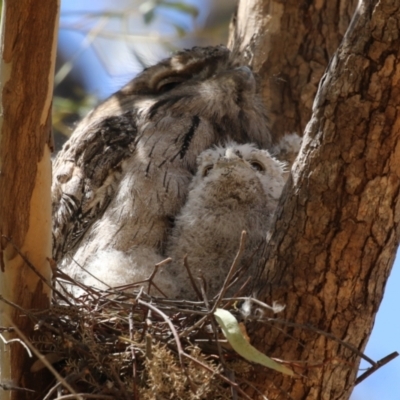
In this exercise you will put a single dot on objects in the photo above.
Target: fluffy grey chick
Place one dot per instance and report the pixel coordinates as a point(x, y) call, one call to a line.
point(236, 188)
point(123, 176)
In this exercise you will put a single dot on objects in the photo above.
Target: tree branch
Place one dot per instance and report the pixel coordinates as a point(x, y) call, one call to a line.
point(28, 42)
point(337, 227)
point(289, 44)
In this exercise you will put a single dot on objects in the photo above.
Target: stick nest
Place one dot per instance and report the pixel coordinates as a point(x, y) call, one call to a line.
point(119, 344)
point(129, 345)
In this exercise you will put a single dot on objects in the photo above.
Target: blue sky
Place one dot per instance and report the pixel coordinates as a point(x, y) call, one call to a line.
point(107, 66)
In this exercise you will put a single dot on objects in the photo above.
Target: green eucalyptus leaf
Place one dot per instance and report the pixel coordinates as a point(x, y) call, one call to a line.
point(230, 328)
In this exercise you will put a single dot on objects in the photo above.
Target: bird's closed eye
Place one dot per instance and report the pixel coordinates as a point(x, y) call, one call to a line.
point(167, 84)
point(257, 166)
point(207, 169)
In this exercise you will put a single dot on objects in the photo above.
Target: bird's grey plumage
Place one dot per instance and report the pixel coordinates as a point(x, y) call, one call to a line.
point(236, 188)
point(123, 176)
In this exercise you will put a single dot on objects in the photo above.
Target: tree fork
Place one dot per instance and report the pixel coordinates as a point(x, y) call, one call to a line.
point(337, 226)
point(289, 44)
point(28, 40)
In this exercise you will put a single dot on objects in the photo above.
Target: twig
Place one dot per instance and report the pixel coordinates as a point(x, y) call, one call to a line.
point(52, 390)
point(254, 388)
point(195, 326)
point(171, 326)
point(34, 269)
point(224, 378)
point(192, 281)
point(227, 371)
point(90, 274)
point(121, 384)
point(16, 340)
point(245, 283)
point(70, 281)
point(321, 332)
point(70, 379)
point(84, 396)
point(176, 337)
point(132, 348)
point(17, 307)
point(11, 386)
point(215, 329)
point(149, 346)
point(383, 361)
point(231, 271)
point(41, 357)
point(156, 267)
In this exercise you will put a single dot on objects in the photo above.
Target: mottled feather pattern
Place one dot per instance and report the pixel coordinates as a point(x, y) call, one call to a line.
point(84, 178)
point(123, 176)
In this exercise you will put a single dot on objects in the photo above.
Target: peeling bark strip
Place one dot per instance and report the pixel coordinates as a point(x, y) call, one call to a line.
point(337, 228)
point(289, 43)
point(28, 40)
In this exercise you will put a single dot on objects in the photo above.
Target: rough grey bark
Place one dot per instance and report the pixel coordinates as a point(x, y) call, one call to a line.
point(289, 44)
point(337, 227)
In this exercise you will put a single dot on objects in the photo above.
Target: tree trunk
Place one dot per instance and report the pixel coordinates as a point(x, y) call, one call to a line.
point(29, 37)
point(337, 227)
point(289, 45)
